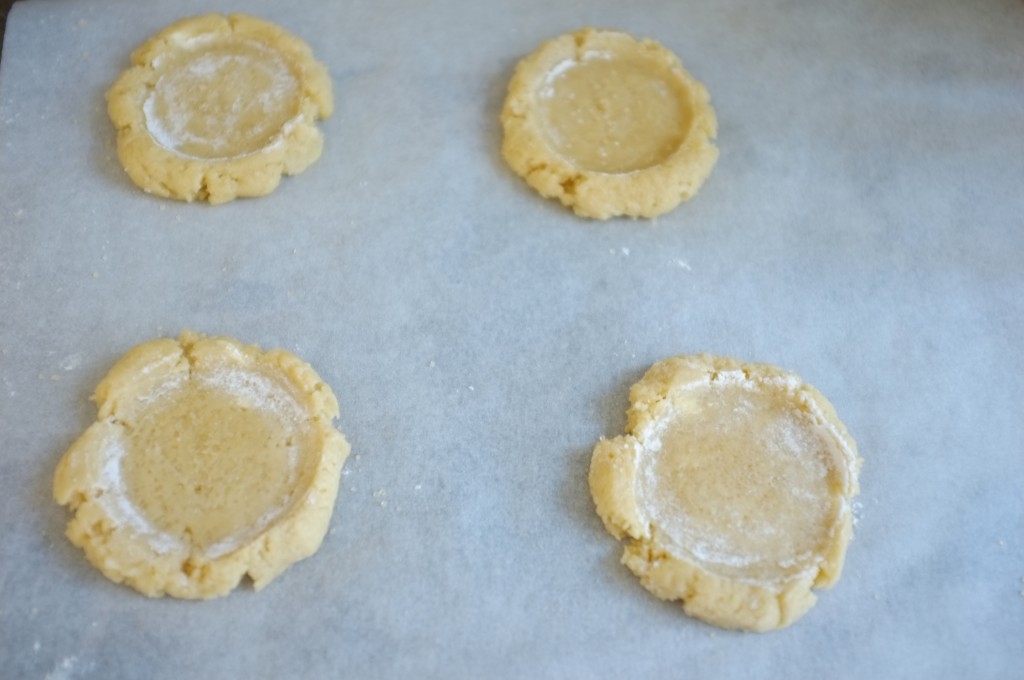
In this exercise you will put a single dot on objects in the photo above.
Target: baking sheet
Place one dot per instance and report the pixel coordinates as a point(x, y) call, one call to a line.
point(863, 228)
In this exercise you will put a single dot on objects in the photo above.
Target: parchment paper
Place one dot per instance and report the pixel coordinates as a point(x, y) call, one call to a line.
point(864, 228)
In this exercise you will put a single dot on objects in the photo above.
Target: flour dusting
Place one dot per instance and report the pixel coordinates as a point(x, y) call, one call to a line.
point(792, 443)
point(119, 507)
point(219, 100)
point(64, 669)
point(71, 361)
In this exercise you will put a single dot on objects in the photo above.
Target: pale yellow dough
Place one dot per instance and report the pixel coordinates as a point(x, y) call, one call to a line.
point(216, 107)
point(209, 460)
point(609, 125)
point(734, 487)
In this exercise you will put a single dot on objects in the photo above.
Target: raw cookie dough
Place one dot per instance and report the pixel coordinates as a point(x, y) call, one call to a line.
point(209, 460)
point(609, 125)
point(216, 107)
point(734, 485)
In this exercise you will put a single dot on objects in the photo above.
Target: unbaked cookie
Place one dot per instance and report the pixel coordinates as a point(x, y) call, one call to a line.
point(209, 460)
point(216, 107)
point(734, 485)
point(609, 125)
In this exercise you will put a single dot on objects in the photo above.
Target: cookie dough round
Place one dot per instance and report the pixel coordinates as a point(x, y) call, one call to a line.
point(609, 125)
point(209, 460)
point(216, 107)
point(734, 486)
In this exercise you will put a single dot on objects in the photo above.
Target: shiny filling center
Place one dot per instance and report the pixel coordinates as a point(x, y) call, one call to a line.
point(222, 100)
point(744, 481)
point(614, 114)
point(214, 461)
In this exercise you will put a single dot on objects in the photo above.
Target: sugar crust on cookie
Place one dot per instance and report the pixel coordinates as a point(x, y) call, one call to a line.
point(733, 488)
point(609, 125)
point(216, 107)
point(209, 461)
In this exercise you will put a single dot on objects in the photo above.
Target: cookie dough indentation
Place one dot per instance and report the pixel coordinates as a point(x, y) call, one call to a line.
point(614, 115)
point(222, 101)
point(742, 482)
point(215, 461)
point(609, 125)
point(733, 487)
point(209, 461)
point(216, 107)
